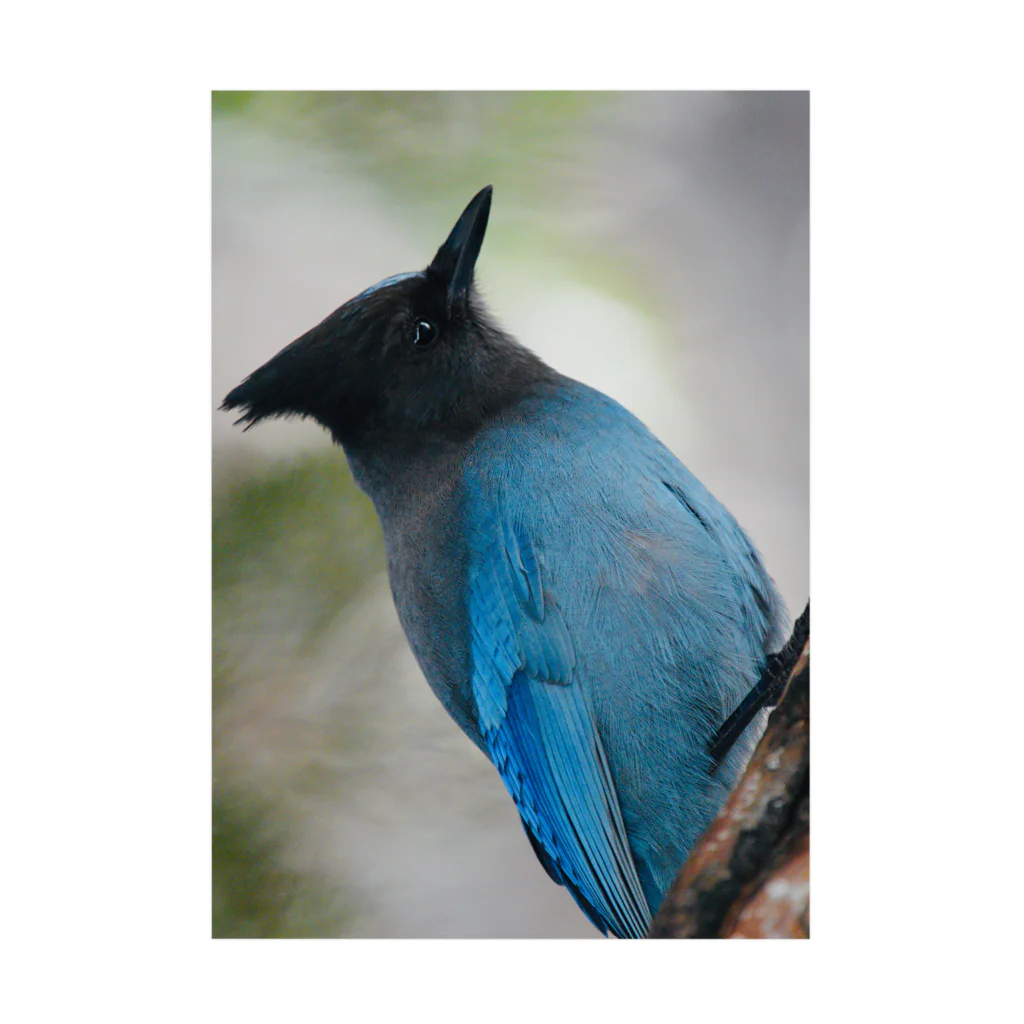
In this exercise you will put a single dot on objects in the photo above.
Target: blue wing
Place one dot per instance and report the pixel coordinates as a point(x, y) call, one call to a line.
point(540, 731)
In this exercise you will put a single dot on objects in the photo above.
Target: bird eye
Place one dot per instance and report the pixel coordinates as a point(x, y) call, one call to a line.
point(425, 333)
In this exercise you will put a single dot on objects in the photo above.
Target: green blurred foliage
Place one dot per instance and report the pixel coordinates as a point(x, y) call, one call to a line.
point(436, 149)
point(256, 895)
point(231, 102)
point(437, 144)
point(300, 529)
point(292, 544)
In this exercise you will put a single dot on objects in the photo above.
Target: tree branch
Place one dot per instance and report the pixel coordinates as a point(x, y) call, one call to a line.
point(749, 874)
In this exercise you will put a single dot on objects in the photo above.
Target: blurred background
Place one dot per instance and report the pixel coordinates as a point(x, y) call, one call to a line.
point(653, 245)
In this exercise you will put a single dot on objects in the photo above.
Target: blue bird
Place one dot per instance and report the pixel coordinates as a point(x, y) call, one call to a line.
point(581, 605)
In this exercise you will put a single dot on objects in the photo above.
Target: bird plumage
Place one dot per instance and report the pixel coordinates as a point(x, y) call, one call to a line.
point(582, 606)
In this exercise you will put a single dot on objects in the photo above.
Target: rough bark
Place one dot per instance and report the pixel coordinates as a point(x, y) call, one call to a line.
point(749, 875)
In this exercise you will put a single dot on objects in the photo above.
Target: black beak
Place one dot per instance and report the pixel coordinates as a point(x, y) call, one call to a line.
point(456, 259)
point(282, 386)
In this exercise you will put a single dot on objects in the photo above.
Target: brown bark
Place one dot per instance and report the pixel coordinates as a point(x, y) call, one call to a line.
point(749, 874)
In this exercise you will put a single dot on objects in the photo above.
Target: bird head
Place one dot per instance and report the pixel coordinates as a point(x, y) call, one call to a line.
point(413, 351)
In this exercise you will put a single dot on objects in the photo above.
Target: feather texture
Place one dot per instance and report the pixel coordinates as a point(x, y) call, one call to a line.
point(617, 614)
point(540, 733)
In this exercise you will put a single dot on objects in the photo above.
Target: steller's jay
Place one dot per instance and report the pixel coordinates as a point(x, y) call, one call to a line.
point(582, 607)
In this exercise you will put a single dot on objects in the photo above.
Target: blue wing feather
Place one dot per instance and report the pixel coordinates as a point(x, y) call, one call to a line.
point(540, 731)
